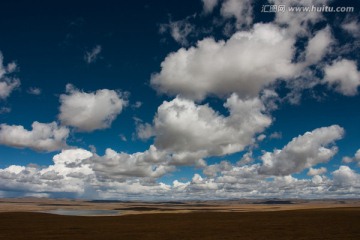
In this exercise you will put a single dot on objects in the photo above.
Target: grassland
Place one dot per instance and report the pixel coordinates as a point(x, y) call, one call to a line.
point(190, 220)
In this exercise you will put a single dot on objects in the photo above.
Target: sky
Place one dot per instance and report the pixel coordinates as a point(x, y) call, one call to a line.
point(200, 99)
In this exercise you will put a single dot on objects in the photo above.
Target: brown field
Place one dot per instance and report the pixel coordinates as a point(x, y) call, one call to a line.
point(246, 219)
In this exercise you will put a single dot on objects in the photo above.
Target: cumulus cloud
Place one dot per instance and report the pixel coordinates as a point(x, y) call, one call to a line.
point(42, 137)
point(75, 173)
point(192, 131)
point(80, 173)
point(344, 76)
point(356, 158)
point(302, 152)
point(92, 56)
point(346, 177)
point(69, 164)
point(7, 82)
point(69, 156)
point(209, 5)
point(247, 158)
point(200, 184)
point(318, 46)
point(316, 171)
point(245, 64)
point(90, 111)
point(113, 165)
point(245, 182)
point(241, 10)
point(213, 170)
point(68, 174)
point(253, 60)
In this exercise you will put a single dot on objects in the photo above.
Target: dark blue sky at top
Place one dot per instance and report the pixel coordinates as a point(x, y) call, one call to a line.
point(48, 39)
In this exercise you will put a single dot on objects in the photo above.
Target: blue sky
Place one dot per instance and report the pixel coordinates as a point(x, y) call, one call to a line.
point(179, 100)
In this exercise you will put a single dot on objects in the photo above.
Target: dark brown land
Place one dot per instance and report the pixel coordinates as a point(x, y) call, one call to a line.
point(24, 218)
point(326, 223)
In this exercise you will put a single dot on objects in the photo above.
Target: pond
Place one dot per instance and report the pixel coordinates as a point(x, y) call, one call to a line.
point(83, 212)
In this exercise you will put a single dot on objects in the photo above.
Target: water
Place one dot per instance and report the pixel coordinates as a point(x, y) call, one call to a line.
point(73, 212)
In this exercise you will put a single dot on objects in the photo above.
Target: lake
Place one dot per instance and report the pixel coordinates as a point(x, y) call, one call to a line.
point(84, 212)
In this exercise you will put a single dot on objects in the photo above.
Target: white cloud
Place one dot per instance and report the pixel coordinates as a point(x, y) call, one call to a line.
point(74, 173)
point(357, 155)
point(352, 27)
point(246, 159)
point(7, 86)
point(90, 111)
point(134, 189)
point(200, 184)
point(345, 177)
point(317, 179)
point(244, 64)
point(69, 164)
point(113, 165)
point(7, 83)
point(137, 104)
point(299, 22)
point(356, 158)
point(270, 98)
point(180, 185)
point(275, 135)
point(43, 137)
point(93, 55)
point(68, 174)
point(34, 91)
point(213, 170)
point(123, 137)
point(179, 30)
point(347, 159)
point(14, 169)
point(240, 9)
point(302, 152)
point(318, 46)
point(316, 171)
point(261, 137)
point(209, 5)
point(240, 174)
point(245, 182)
point(144, 131)
point(192, 131)
point(344, 76)
point(70, 156)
